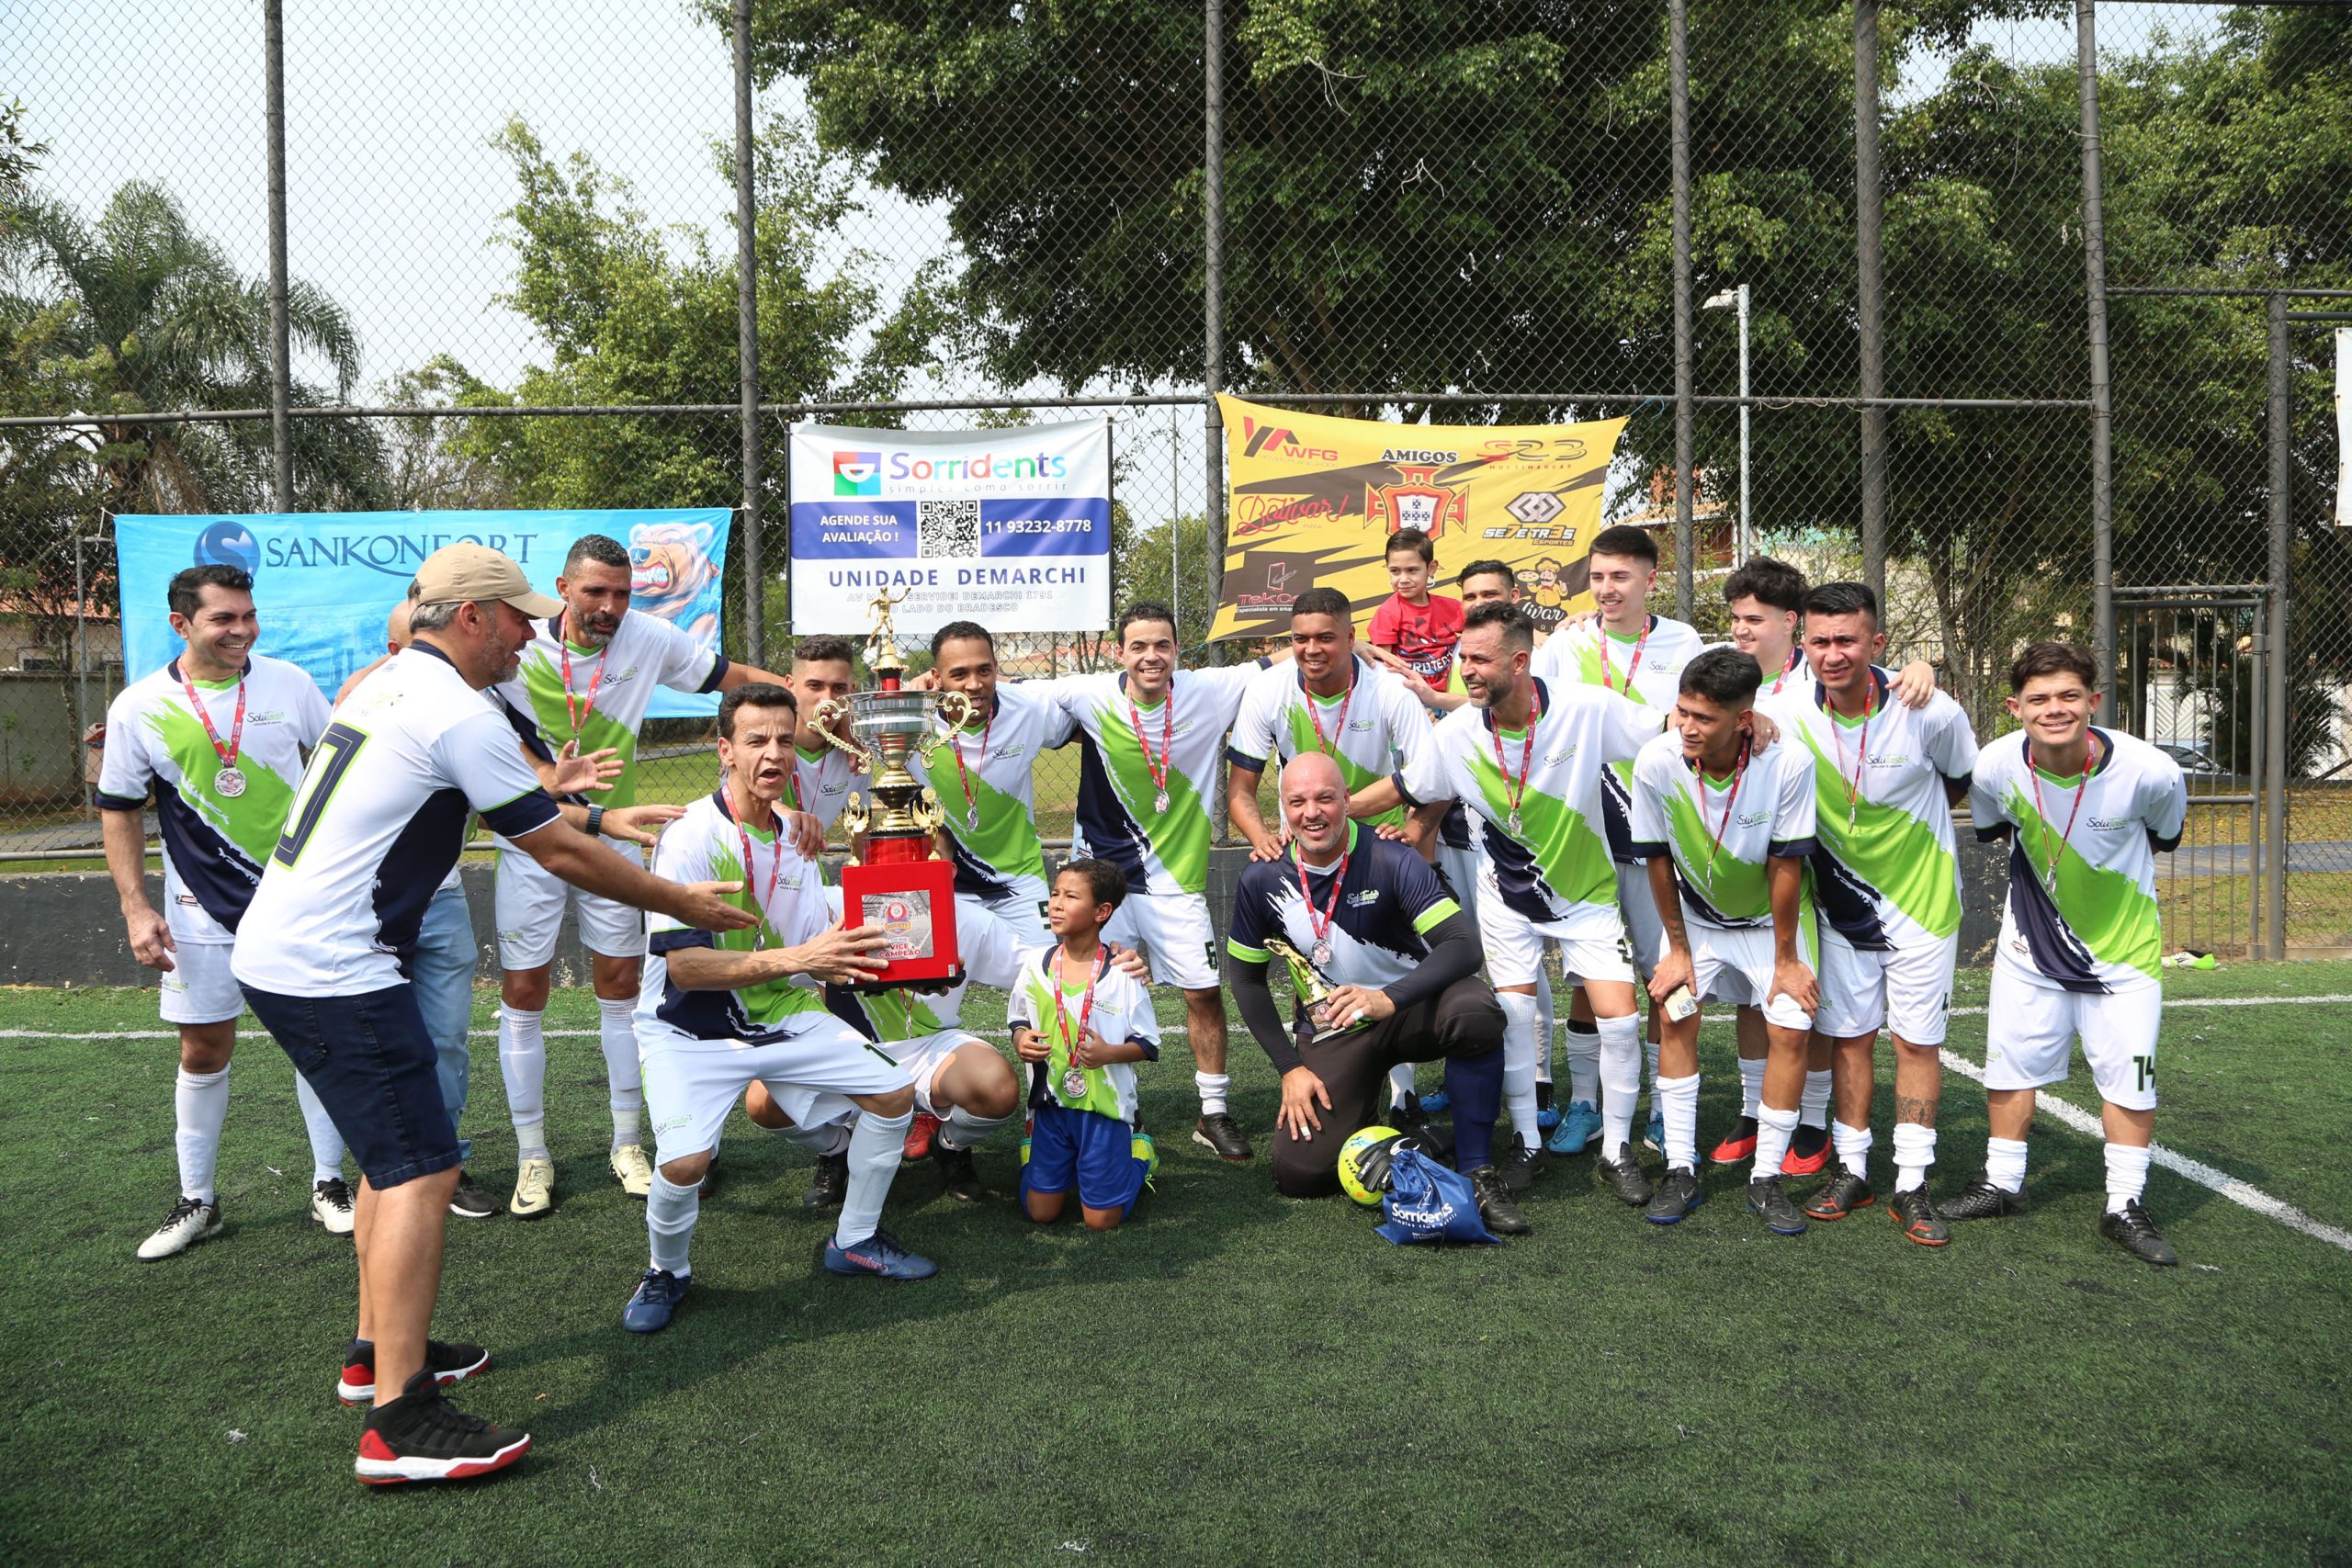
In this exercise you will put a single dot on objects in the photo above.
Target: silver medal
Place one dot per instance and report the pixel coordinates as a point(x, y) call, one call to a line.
point(1321, 953)
point(972, 819)
point(1514, 822)
point(228, 783)
point(1159, 802)
point(1074, 1084)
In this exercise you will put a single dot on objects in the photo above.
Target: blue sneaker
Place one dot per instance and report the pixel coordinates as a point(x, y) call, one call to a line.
point(880, 1256)
point(1577, 1128)
point(1547, 1118)
point(658, 1295)
point(1436, 1102)
point(1654, 1135)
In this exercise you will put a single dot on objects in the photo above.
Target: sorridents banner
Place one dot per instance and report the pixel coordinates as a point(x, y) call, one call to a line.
point(324, 581)
point(1315, 498)
point(1011, 528)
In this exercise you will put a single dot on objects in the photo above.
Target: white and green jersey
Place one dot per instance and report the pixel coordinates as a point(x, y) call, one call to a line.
point(1721, 832)
point(1161, 852)
point(1555, 867)
point(786, 891)
point(645, 652)
point(821, 783)
point(1000, 858)
point(2097, 930)
point(1884, 870)
point(1646, 668)
point(214, 844)
point(1281, 719)
point(1122, 1014)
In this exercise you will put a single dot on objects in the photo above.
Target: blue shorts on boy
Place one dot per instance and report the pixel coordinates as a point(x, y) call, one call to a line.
point(1087, 1150)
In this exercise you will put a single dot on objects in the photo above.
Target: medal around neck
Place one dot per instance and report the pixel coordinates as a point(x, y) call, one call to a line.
point(229, 783)
point(1312, 989)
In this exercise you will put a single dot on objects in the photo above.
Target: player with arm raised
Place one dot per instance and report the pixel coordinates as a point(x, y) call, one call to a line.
point(2085, 811)
point(217, 738)
point(379, 819)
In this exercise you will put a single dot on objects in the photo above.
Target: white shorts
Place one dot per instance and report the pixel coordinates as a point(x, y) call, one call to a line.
point(922, 1056)
point(1644, 933)
point(1461, 868)
point(690, 1085)
point(1906, 992)
point(199, 988)
point(1734, 964)
point(530, 911)
point(1590, 949)
point(1172, 932)
point(2032, 1030)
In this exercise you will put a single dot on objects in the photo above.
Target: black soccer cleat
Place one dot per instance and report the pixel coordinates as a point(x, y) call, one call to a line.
point(1495, 1209)
point(1915, 1212)
point(1217, 1132)
point(1624, 1177)
point(1840, 1196)
point(830, 1185)
point(1676, 1196)
point(2136, 1234)
point(1769, 1204)
point(1980, 1199)
point(956, 1171)
point(423, 1437)
point(1521, 1164)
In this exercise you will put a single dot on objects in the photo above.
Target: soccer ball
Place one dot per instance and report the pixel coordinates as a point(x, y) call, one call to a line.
point(1363, 1162)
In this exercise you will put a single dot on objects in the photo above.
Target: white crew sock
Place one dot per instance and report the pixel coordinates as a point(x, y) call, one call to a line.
point(326, 1143)
point(1853, 1148)
point(201, 1103)
point(2004, 1162)
point(875, 1145)
point(1621, 1081)
point(670, 1214)
point(2127, 1174)
point(1915, 1151)
point(1519, 1064)
point(1775, 1130)
point(1752, 1087)
point(1400, 1082)
point(617, 1029)
point(1583, 1050)
point(1213, 1087)
point(961, 1130)
point(523, 1063)
point(1817, 1098)
point(1677, 1102)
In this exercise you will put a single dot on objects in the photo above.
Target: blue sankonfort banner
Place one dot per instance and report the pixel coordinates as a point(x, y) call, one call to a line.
point(324, 581)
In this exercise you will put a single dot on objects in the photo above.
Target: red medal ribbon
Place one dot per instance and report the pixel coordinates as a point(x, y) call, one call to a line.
point(1635, 668)
point(1167, 730)
point(227, 754)
point(2053, 857)
point(1086, 1008)
point(1511, 797)
point(1716, 840)
point(956, 740)
point(776, 859)
point(1862, 749)
point(1318, 922)
point(578, 714)
point(1345, 698)
point(1782, 678)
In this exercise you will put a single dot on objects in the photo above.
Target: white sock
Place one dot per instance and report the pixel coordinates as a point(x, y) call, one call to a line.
point(1817, 1098)
point(523, 1063)
point(2127, 1174)
point(1583, 1050)
point(1853, 1148)
point(201, 1103)
point(1519, 1064)
point(326, 1143)
point(1915, 1151)
point(670, 1214)
point(961, 1130)
point(617, 1029)
point(1400, 1082)
point(875, 1145)
point(1774, 1132)
point(1211, 1085)
point(1545, 1029)
point(1752, 1087)
point(1620, 1049)
point(1677, 1102)
point(2004, 1162)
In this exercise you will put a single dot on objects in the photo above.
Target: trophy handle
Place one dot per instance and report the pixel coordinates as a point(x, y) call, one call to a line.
point(956, 709)
point(827, 714)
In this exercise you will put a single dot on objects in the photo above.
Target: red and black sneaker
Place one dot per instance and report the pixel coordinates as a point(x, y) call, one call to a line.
point(1808, 1152)
point(1915, 1212)
point(1844, 1193)
point(423, 1437)
point(448, 1363)
point(1738, 1144)
point(919, 1133)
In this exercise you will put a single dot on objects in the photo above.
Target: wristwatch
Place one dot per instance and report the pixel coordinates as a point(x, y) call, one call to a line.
point(596, 820)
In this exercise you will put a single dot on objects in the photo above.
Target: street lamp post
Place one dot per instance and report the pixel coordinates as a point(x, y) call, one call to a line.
point(1742, 540)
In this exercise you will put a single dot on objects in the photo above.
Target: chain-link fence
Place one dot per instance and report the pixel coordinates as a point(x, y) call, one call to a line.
point(511, 235)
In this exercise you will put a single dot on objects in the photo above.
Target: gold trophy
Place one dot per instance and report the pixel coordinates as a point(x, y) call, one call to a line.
point(897, 886)
point(1312, 989)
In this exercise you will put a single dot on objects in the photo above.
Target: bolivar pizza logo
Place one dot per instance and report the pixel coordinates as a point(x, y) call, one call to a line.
point(1416, 500)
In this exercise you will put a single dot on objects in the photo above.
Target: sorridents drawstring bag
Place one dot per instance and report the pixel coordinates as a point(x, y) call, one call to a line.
point(1427, 1202)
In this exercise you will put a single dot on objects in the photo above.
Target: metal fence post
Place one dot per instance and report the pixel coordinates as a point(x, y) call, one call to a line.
point(2274, 787)
point(2102, 385)
point(1213, 289)
point(1870, 301)
point(281, 358)
point(747, 340)
point(1677, 96)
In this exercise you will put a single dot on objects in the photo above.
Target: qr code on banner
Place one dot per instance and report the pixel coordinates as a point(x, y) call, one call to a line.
point(947, 528)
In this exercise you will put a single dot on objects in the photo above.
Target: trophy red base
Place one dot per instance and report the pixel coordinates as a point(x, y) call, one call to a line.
point(912, 898)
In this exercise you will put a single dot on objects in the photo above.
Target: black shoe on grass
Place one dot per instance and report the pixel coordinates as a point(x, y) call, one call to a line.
point(958, 1172)
point(1521, 1164)
point(1768, 1203)
point(2136, 1234)
point(1495, 1209)
point(830, 1185)
point(1676, 1196)
point(1624, 1177)
point(1980, 1199)
point(1217, 1132)
point(1915, 1212)
point(423, 1437)
point(1844, 1193)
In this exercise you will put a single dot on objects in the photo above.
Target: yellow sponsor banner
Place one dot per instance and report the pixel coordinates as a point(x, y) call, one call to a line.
point(1316, 498)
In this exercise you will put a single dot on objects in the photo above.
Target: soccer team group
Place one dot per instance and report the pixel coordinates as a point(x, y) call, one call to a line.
point(1765, 825)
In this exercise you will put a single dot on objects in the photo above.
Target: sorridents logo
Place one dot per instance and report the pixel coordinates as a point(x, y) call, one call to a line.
point(229, 544)
point(857, 473)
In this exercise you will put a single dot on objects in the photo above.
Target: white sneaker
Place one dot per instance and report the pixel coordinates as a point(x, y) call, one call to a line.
point(534, 1190)
point(331, 1206)
point(636, 1172)
point(191, 1219)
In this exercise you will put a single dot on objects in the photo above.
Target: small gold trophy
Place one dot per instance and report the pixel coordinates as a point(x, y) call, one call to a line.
point(1312, 989)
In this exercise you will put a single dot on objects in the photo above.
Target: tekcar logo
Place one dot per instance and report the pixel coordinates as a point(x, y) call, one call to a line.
point(857, 473)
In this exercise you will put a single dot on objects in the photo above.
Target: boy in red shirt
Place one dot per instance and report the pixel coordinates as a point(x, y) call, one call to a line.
point(1418, 626)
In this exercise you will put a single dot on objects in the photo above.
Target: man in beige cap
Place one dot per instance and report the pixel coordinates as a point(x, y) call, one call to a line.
point(377, 823)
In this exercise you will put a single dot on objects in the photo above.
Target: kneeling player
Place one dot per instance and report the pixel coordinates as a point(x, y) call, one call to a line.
point(1725, 829)
point(2085, 810)
point(1082, 1132)
point(722, 1011)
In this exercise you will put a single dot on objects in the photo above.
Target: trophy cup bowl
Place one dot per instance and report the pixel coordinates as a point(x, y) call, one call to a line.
point(1312, 989)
